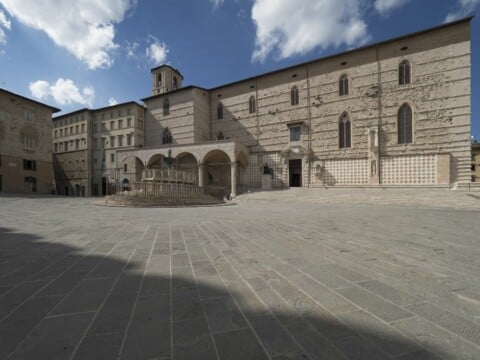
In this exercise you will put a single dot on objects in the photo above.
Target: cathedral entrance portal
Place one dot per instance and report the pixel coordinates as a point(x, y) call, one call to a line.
point(295, 172)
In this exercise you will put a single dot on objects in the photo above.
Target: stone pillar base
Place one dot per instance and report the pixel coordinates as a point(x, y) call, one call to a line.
point(266, 182)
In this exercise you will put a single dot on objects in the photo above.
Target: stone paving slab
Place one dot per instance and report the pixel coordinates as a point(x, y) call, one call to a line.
point(298, 274)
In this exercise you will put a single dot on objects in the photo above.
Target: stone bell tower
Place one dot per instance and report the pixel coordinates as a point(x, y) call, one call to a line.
point(165, 78)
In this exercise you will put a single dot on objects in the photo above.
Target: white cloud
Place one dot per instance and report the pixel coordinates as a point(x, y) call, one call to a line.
point(4, 24)
point(63, 92)
point(385, 6)
point(289, 27)
point(131, 49)
point(216, 3)
point(156, 52)
point(112, 101)
point(40, 89)
point(84, 27)
point(466, 7)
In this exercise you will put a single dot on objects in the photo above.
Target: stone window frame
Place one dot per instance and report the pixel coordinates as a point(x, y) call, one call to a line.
point(294, 98)
point(409, 128)
point(404, 72)
point(295, 133)
point(28, 143)
point(252, 105)
point(167, 136)
point(220, 111)
point(29, 116)
point(345, 131)
point(343, 85)
point(30, 165)
point(166, 107)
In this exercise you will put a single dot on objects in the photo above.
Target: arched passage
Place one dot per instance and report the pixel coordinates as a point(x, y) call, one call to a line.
point(186, 161)
point(217, 172)
point(157, 161)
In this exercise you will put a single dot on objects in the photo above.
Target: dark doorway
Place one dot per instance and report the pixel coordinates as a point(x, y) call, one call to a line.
point(31, 183)
point(66, 190)
point(77, 190)
point(95, 189)
point(104, 186)
point(0, 183)
point(295, 173)
point(125, 185)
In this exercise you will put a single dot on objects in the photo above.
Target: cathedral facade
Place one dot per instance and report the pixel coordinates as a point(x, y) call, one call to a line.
point(395, 113)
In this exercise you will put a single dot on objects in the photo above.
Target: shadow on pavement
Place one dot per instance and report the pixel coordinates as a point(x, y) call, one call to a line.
point(96, 302)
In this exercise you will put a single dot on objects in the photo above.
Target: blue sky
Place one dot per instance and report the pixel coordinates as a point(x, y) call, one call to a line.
point(84, 53)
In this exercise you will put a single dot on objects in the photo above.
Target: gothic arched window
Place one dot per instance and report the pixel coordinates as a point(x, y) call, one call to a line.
point(404, 125)
point(404, 73)
point(251, 105)
point(220, 111)
point(294, 96)
point(344, 131)
point(343, 85)
point(166, 107)
point(167, 136)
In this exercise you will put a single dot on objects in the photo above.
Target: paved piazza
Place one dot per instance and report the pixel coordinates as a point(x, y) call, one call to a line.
point(297, 274)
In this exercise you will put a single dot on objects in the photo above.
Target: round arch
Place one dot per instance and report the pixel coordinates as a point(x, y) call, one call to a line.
point(186, 160)
point(130, 158)
point(125, 184)
point(216, 156)
point(156, 161)
point(217, 174)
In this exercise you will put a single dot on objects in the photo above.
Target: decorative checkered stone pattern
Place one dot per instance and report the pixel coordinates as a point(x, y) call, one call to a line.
point(345, 172)
point(274, 162)
point(253, 175)
point(419, 169)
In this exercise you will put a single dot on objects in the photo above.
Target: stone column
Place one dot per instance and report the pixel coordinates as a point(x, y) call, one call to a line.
point(201, 177)
point(233, 179)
